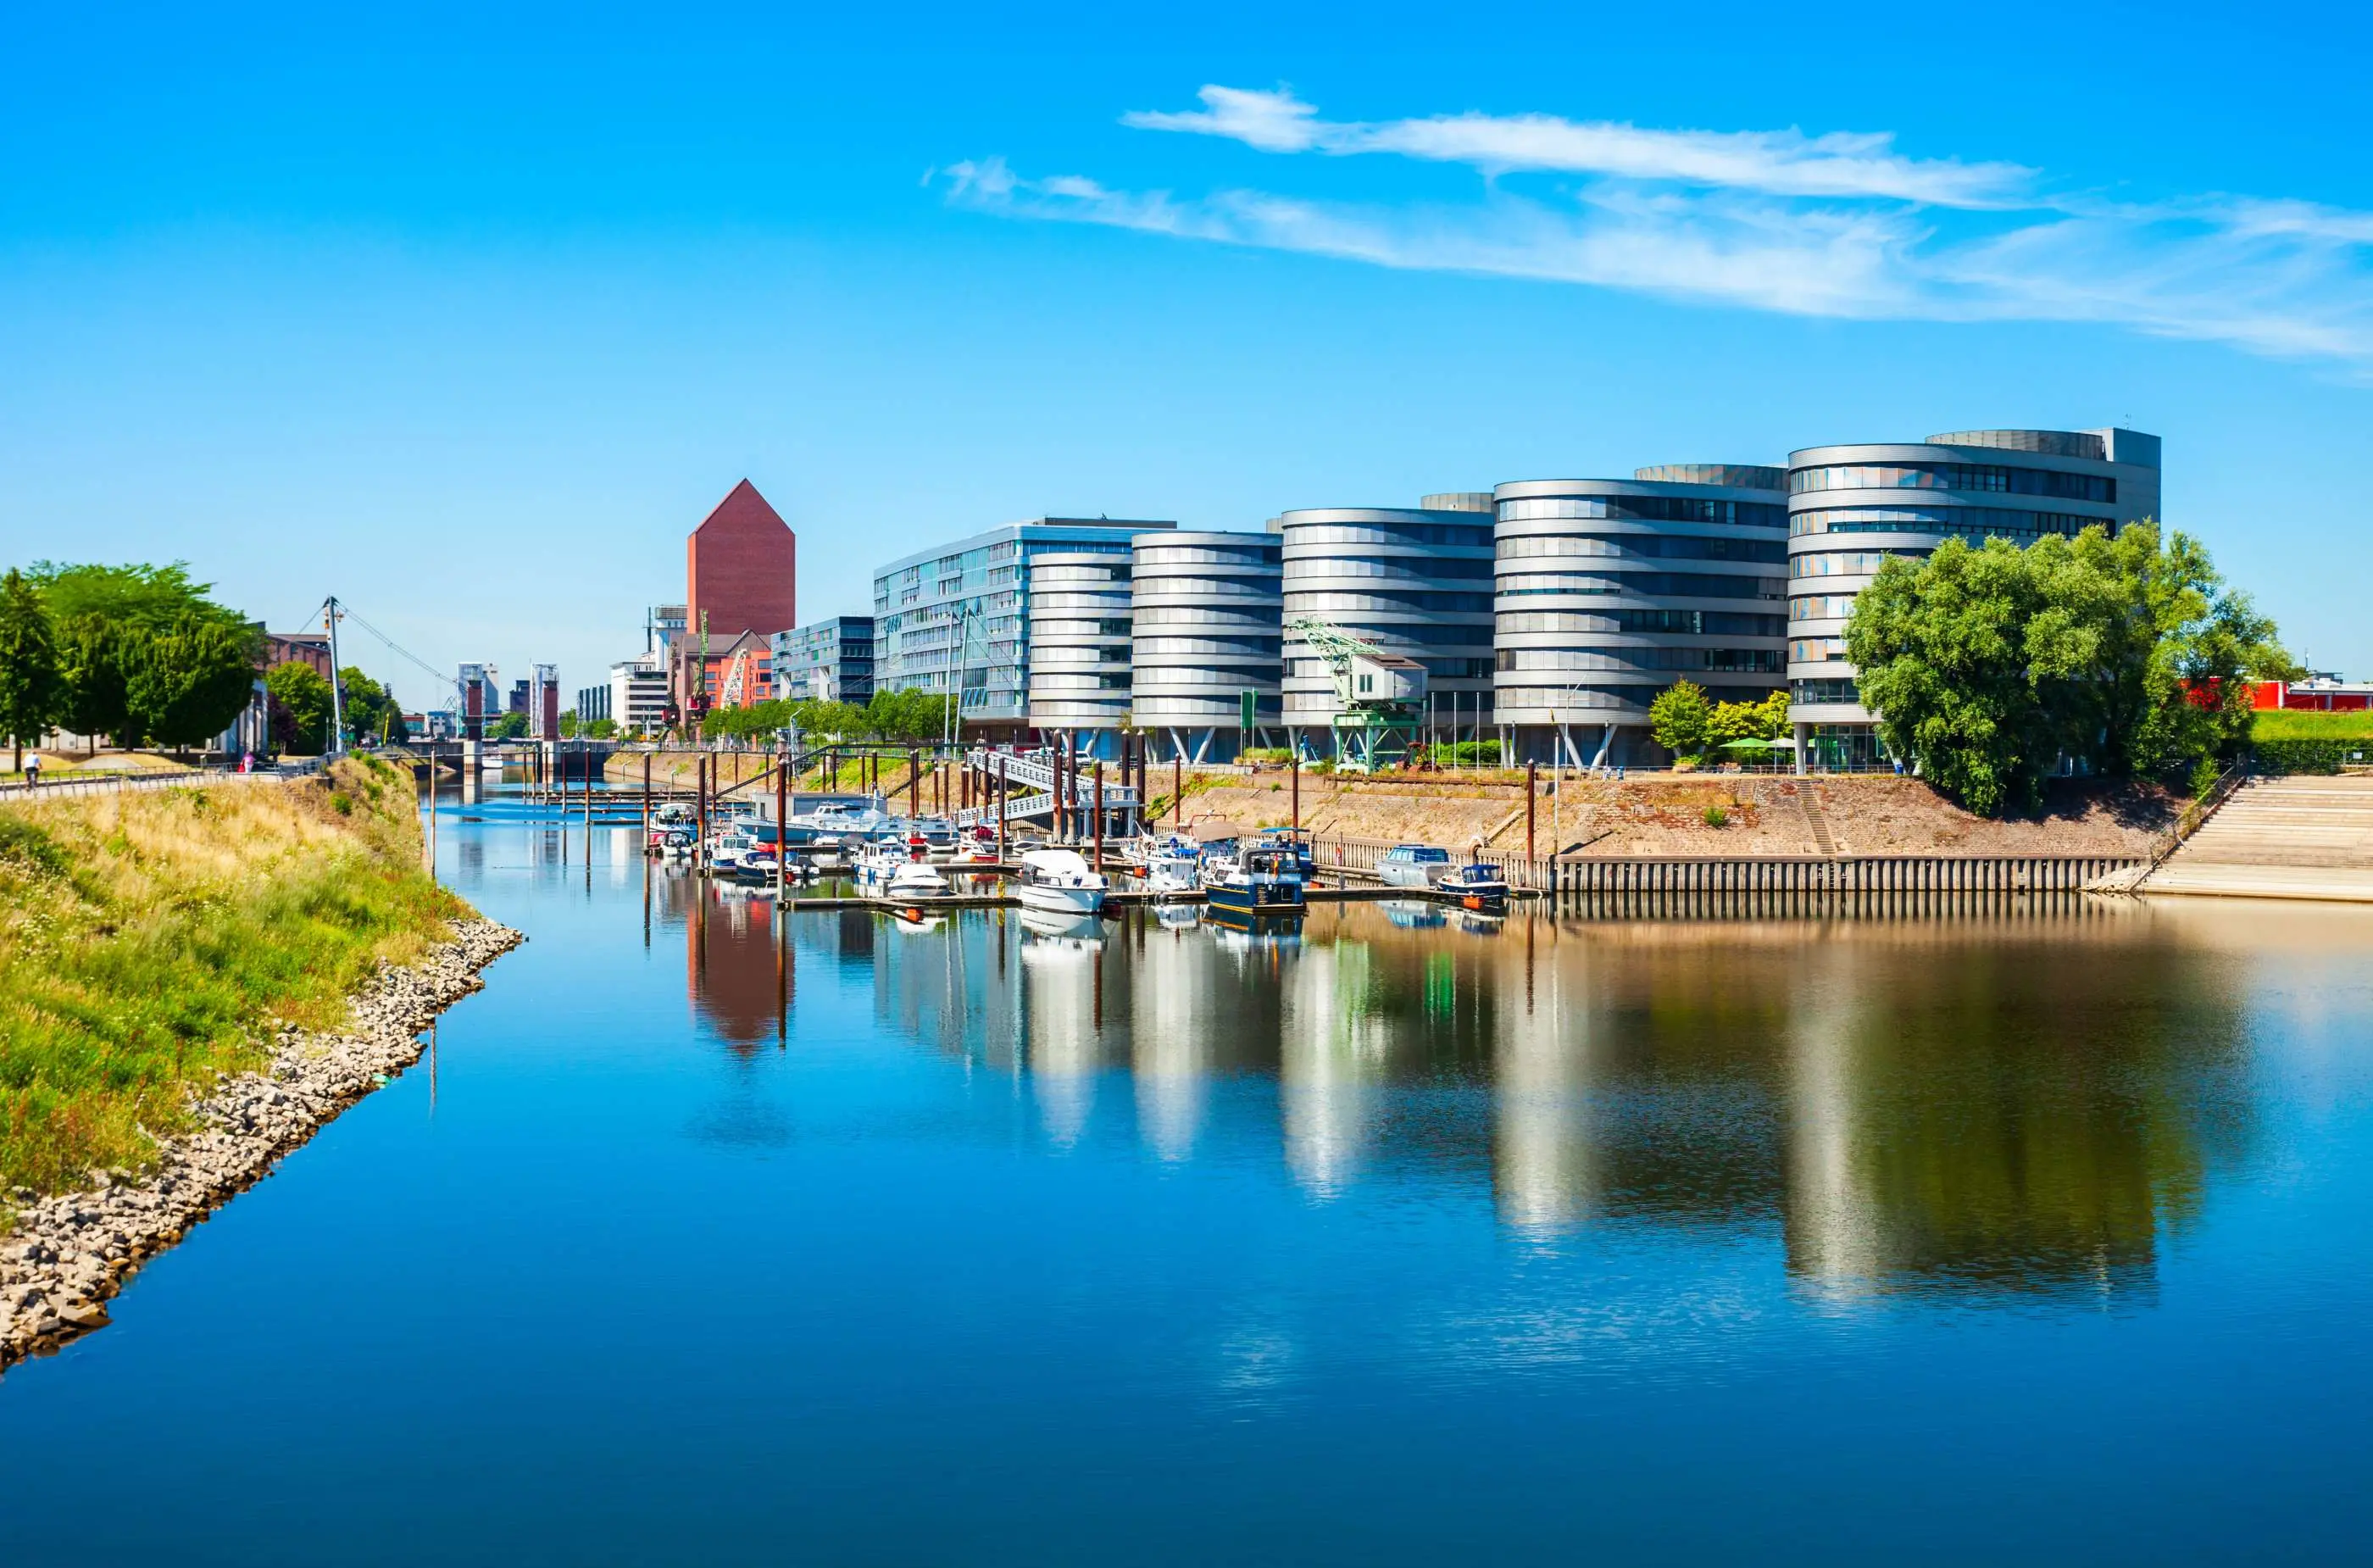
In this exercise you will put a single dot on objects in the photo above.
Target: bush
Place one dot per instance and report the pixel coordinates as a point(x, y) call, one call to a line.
point(1467, 753)
point(1279, 755)
point(1716, 817)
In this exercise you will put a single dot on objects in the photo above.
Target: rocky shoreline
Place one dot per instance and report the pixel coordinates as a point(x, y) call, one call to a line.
point(68, 1254)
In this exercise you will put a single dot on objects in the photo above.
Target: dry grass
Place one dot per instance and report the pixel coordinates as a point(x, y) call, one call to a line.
point(151, 941)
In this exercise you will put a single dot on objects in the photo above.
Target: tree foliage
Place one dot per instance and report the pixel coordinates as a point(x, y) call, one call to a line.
point(144, 655)
point(915, 716)
point(1681, 718)
point(30, 690)
point(300, 706)
point(2127, 654)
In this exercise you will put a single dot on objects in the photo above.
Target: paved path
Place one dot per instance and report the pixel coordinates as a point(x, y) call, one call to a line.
point(2297, 838)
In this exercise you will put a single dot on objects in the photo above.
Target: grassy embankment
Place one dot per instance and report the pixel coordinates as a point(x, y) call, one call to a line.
point(2285, 724)
point(151, 941)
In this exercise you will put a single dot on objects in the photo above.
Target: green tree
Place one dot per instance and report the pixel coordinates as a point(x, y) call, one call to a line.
point(2126, 652)
point(1681, 718)
point(366, 701)
point(513, 727)
point(567, 724)
point(1942, 648)
point(392, 729)
point(185, 684)
point(1763, 721)
point(93, 651)
point(301, 700)
point(601, 730)
point(30, 690)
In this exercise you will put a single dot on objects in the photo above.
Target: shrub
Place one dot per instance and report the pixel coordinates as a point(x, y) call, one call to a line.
point(2309, 756)
point(1716, 817)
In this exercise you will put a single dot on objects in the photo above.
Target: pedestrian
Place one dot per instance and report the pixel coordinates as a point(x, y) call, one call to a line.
point(32, 770)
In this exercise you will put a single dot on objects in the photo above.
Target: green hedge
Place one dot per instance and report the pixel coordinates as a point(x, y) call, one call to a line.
point(2321, 756)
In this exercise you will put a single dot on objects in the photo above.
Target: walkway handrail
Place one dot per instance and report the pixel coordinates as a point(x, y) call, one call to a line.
point(2197, 814)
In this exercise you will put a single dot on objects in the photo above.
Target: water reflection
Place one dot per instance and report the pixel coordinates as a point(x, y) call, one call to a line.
point(2015, 1108)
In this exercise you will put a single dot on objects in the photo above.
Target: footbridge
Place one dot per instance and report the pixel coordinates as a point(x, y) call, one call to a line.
point(1036, 786)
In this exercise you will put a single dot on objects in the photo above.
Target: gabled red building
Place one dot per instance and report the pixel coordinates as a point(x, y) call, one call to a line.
point(741, 576)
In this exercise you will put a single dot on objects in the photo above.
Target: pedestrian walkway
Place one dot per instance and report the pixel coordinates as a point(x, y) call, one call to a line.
point(2296, 837)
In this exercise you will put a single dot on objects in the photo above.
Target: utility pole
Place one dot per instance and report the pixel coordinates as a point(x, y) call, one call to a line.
point(337, 702)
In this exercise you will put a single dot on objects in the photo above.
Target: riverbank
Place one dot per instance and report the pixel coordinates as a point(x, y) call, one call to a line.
point(1651, 815)
point(70, 1253)
point(191, 980)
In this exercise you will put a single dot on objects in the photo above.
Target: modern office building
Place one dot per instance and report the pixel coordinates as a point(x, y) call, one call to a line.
point(955, 619)
point(826, 661)
point(1607, 592)
point(1415, 581)
point(1850, 507)
point(1205, 626)
point(1078, 667)
point(741, 576)
point(634, 697)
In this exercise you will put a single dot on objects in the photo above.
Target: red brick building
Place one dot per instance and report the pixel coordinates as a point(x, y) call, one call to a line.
point(741, 575)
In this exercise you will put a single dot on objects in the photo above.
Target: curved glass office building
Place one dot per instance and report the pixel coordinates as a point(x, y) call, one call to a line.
point(1607, 591)
point(1203, 628)
point(1851, 507)
point(1413, 581)
point(1079, 623)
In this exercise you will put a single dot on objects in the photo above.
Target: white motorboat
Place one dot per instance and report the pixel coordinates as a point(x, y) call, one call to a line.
point(1413, 865)
point(898, 876)
point(1171, 864)
point(1061, 883)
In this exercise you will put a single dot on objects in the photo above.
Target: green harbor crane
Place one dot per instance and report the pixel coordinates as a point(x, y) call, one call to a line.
point(1379, 697)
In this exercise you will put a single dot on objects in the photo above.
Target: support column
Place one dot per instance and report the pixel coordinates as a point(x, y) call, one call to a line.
point(1803, 741)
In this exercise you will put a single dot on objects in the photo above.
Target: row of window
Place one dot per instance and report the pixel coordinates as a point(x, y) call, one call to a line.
point(1978, 476)
point(1470, 536)
point(1848, 563)
point(1077, 629)
point(1822, 689)
point(1040, 602)
point(1689, 622)
point(1646, 509)
point(1200, 646)
point(1222, 587)
point(1968, 521)
point(1044, 578)
point(1173, 554)
point(1737, 661)
point(1645, 585)
point(1821, 607)
point(1163, 676)
point(1817, 650)
point(1058, 681)
point(1388, 604)
point(1433, 568)
point(1664, 546)
point(1196, 615)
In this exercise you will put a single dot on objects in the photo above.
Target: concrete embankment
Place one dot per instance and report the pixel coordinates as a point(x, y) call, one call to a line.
point(70, 1253)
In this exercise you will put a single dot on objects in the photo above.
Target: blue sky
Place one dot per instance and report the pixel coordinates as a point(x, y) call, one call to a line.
point(468, 317)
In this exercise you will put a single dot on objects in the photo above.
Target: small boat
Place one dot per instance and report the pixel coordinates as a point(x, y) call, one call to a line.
point(975, 847)
point(899, 876)
point(1476, 886)
point(1413, 865)
point(1298, 841)
point(1171, 865)
point(1262, 881)
point(1060, 882)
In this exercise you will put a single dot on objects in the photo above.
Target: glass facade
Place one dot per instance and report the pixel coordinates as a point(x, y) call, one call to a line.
point(1207, 623)
point(831, 661)
point(1414, 581)
point(1080, 643)
point(955, 620)
point(1582, 653)
point(2105, 478)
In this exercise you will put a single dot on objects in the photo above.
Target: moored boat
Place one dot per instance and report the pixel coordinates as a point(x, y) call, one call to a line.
point(1476, 886)
point(1263, 881)
point(1059, 882)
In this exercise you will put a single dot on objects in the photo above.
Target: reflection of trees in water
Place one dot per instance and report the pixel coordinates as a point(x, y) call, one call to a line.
point(1958, 1106)
point(2022, 1117)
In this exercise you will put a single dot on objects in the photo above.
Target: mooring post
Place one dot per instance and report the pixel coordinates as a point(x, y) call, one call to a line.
point(1532, 801)
point(1177, 791)
point(1295, 768)
point(782, 832)
point(1096, 816)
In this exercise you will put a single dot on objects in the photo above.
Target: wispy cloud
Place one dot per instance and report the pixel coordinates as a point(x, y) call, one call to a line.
point(1833, 225)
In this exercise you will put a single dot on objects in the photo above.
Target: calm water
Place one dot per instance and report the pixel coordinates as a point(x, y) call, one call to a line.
point(2047, 1237)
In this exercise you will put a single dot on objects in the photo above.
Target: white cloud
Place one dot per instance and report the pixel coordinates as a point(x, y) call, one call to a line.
point(1780, 163)
point(1837, 225)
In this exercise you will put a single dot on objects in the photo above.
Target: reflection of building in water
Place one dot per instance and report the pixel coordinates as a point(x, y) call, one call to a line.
point(1543, 1148)
point(731, 972)
point(1064, 1016)
point(952, 987)
point(1330, 1054)
point(1181, 1025)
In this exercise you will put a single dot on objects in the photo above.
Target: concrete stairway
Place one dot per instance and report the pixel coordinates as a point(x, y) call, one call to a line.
point(2280, 839)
